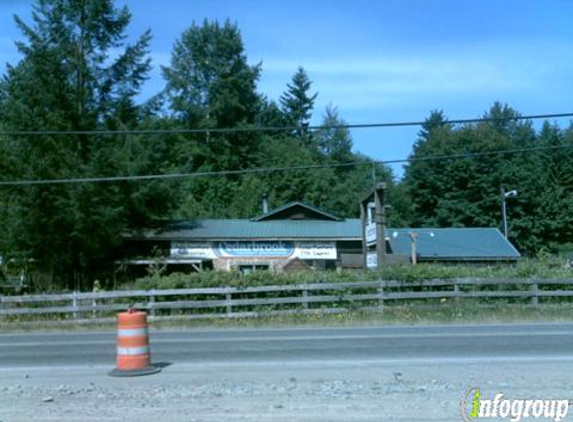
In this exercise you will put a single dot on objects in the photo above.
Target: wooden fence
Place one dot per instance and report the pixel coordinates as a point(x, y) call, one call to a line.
point(229, 302)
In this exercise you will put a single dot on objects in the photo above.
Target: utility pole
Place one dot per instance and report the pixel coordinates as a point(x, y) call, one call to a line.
point(380, 219)
point(363, 219)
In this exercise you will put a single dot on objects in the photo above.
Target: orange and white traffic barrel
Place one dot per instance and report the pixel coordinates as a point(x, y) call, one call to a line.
point(133, 352)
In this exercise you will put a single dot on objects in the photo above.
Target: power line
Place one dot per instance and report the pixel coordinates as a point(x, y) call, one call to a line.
point(273, 169)
point(269, 128)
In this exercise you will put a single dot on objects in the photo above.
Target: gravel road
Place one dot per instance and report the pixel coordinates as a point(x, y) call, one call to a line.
point(343, 391)
point(397, 373)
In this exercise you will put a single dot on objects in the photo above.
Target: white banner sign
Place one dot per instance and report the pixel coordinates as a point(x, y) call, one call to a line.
point(316, 250)
point(370, 233)
point(192, 250)
point(255, 249)
point(372, 260)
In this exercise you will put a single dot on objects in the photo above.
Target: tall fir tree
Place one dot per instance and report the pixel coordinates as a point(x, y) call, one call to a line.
point(210, 85)
point(436, 120)
point(209, 82)
point(333, 139)
point(297, 103)
point(76, 74)
point(463, 187)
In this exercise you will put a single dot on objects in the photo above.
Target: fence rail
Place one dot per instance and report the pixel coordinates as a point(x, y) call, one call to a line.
point(325, 298)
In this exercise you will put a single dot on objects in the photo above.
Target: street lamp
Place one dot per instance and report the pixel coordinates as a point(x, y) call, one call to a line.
point(504, 196)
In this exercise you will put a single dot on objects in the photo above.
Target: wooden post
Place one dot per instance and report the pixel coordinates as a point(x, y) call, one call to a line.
point(363, 218)
point(380, 218)
point(305, 298)
point(229, 298)
point(381, 293)
point(75, 305)
point(534, 288)
point(151, 303)
point(456, 291)
point(94, 304)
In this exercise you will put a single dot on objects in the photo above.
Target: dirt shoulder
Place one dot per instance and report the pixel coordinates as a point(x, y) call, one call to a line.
point(305, 391)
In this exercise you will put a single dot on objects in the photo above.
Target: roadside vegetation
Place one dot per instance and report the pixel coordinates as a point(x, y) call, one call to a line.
point(467, 312)
point(438, 306)
point(92, 100)
point(541, 268)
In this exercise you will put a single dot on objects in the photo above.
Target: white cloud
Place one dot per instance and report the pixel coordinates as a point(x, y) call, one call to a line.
point(410, 76)
point(421, 78)
point(496, 71)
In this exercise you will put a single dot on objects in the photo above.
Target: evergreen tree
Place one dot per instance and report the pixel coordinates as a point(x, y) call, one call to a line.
point(297, 104)
point(66, 81)
point(334, 141)
point(465, 190)
point(210, 85)
point(460, 191)
point(503, 118)
point(541, 216)
point(209, 82)
point(436, 120)
point(270, 115)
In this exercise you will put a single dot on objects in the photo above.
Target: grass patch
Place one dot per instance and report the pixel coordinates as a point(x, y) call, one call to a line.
point(395, 315)
point(468, 312)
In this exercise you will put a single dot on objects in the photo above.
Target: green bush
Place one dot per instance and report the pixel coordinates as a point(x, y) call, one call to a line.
point(545, 268)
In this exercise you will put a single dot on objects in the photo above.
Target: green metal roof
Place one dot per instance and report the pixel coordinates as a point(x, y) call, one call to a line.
point(202, 230)
point(325, 215)
point(454, 244)
point(442, 244)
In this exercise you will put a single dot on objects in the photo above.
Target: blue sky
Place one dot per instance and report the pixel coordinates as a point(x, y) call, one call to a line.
point(380, 60)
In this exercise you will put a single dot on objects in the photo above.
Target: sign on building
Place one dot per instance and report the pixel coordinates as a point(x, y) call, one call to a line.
point(316, 250)
point(255, 249)
point(192, 250)
point(370, 233)
point(372, 260)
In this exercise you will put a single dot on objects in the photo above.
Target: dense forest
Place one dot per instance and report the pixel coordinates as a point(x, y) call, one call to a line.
point(74, 138)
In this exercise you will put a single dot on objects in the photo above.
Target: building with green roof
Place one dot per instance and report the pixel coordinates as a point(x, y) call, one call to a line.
point(301, 233)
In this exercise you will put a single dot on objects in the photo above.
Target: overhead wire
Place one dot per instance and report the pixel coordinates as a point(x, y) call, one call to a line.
point(167, 176)
point(247, 129)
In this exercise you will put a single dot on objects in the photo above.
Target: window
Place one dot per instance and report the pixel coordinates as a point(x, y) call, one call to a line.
point(247, 269)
